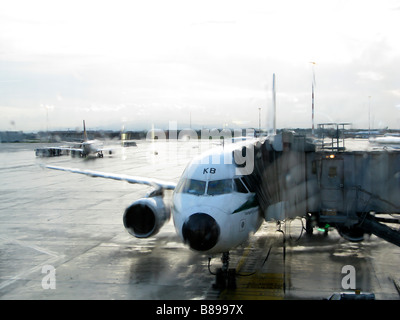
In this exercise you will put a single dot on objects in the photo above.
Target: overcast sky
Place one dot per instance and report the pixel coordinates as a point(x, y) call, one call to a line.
point(135, 63)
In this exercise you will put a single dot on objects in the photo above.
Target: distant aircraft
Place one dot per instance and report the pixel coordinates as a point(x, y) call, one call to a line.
point(84, 149)
point(386, 142)
point(89, 147)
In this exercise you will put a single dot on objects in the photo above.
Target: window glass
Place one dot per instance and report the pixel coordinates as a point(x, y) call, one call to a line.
point(217, 187)
point(239, 186)
point(192, 186)
point(249, 183)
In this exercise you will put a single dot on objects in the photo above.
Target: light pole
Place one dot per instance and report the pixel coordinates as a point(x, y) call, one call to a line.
point(369, 116)
point(312, 97)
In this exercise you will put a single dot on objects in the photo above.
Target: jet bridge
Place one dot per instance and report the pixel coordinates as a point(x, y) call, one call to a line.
point(356, 192)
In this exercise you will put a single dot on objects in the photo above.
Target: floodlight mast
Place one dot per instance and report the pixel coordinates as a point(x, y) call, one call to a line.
point(274, 103)
point(312, 98)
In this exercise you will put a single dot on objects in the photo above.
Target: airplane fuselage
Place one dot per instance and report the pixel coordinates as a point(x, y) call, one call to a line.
point(213, 209)
point(91, 147)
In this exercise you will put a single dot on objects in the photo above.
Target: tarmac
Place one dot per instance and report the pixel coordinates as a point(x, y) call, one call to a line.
point(62, 238)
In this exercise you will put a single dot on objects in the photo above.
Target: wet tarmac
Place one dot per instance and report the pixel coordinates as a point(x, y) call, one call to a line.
point(62, 237)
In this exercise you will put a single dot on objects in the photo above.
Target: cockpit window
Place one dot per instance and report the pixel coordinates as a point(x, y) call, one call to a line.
point(239, 186)
point(191, 186)
point(218, 187)
point(249, 183)
point(214, 187)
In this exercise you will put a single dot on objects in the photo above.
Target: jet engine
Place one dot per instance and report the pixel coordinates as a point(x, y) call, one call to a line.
point(146, 216)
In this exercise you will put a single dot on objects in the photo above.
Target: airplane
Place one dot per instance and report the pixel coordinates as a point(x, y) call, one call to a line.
point(84, 149)
point(89, 147)
point(214, 204)
point(387, 142)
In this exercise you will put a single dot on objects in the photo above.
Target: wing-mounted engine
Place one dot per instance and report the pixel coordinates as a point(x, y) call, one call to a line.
point(146, 216)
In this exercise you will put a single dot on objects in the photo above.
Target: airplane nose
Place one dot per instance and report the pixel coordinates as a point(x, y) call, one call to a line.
point(201, 231)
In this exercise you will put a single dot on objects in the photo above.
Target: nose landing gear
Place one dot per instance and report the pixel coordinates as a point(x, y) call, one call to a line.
point(225, 278)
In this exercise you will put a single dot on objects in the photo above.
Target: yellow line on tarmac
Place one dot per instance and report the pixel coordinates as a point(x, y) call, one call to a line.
point(258, 286)
point(243, 258)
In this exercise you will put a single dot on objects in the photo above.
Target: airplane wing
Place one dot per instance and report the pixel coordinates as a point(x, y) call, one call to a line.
point(75, 149)
point(63, 148)
point(58, 148)
point(54, 151)
point(121, 177)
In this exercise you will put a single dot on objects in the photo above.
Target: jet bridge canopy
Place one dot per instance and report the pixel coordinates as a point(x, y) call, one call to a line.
point(349, 190)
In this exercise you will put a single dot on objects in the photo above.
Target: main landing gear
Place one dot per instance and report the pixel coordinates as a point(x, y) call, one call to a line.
point(225, 278)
